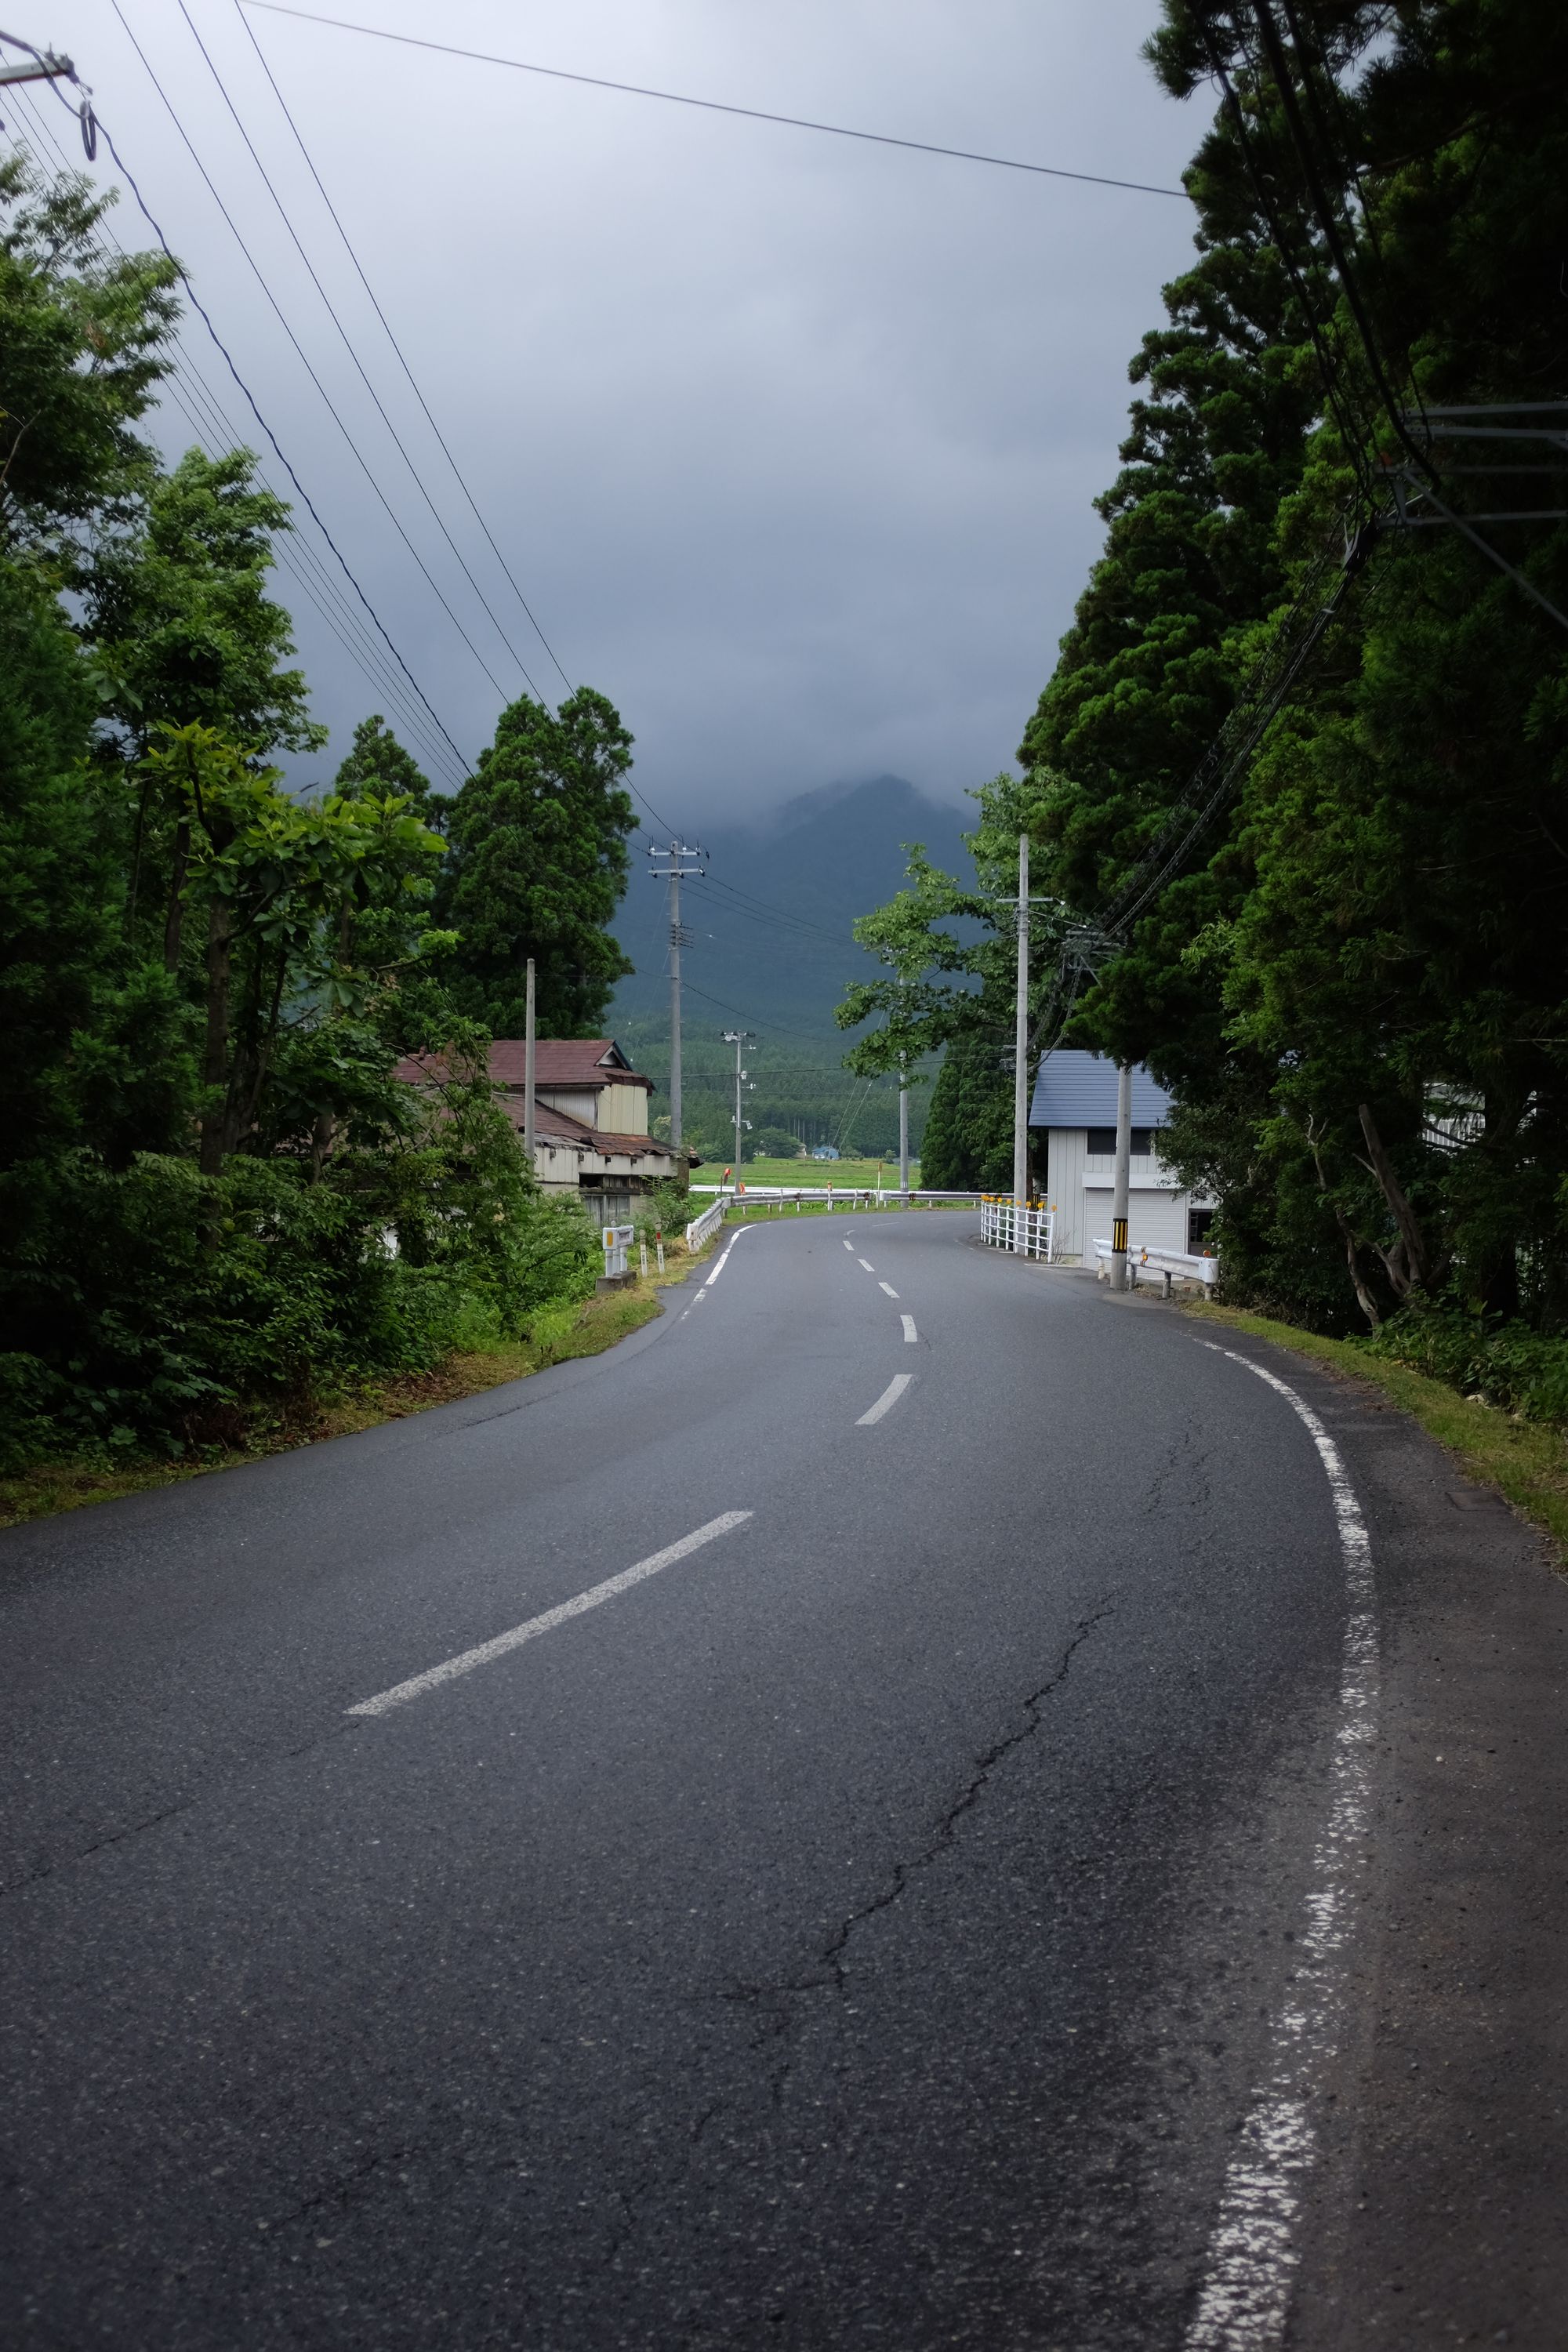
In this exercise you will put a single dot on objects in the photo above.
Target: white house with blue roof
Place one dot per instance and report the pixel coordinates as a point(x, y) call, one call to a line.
point(1074, 1110)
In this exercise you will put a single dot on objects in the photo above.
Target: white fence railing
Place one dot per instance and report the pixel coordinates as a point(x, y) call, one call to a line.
point(1012, 1225)
point(1181, 1265)
point(703, 1228)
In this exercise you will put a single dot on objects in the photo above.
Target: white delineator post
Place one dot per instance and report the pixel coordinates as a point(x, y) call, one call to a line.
point(1120, 1180)
point(528, 1073)
point(1021, 1038)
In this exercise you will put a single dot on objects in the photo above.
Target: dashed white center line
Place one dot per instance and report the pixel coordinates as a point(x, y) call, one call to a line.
point(850, 1247)
point(885, 1401)
point(594, 1598)
point(888, 1289)
point(909, 1323)
point(867, 1264)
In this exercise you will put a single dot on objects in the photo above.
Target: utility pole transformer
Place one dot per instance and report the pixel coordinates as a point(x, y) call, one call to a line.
point(1020, 1039)
point(1119, 1181)
point(679, 862)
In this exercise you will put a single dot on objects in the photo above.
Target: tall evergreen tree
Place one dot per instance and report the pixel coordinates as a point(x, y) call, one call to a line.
point(538, 865)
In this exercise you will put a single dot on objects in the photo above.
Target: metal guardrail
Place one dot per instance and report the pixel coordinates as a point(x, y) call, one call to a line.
point(1179, 1265)
point(1012, 1224)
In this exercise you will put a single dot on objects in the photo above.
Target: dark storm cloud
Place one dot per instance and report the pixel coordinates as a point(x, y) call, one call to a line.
point(790, 442)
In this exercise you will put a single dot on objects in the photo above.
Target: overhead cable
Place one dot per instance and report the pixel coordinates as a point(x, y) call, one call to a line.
point(347, 343)
point(397, 348)
point(717, 106)
point(216, 430)
point(303, 356)
point(301, 491)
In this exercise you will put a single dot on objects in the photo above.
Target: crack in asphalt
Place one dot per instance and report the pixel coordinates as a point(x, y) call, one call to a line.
point(772, 2003)
point(78, 1854)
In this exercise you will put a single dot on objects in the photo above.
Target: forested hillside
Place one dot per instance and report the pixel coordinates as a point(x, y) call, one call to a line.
point(1347, 958)
point(772, 948)
point(217, 1204)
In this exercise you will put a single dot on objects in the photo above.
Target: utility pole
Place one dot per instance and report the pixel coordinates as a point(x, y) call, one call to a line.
point(530, 1072)
point(904, 1127)
point(1021, 1036)
point(1120, 1178)
point(738, 1038)
point(673, 871)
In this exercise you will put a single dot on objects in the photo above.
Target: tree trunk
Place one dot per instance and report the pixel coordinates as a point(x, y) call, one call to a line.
point(1410, 1233)
point(174, 916)
point(215, 1142)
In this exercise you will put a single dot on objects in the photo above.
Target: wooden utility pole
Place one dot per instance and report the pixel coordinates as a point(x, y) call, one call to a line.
point(528, 1073)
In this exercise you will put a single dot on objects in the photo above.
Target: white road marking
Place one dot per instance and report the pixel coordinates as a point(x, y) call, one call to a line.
point(867, 1264)
point(909, 1323)
point(887, 1401)
point(1253, 2254)
point(888, 1289)
point(596, 1595)
point(850, 1247)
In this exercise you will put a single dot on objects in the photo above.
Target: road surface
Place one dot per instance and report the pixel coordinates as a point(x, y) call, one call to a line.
point(915, 1804)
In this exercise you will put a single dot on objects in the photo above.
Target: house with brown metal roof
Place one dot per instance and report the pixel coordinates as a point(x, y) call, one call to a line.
point(590, 1119)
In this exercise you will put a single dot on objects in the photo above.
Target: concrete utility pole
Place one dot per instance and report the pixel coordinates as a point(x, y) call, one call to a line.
point(530, 1072)
point(1021, 1036)
point(676, 855)
point(1120, 1178)
point(738, 1038)
point(904, 1127)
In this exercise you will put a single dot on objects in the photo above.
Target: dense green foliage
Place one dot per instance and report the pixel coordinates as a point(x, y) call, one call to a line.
point(217, 1198)
point(1354, 980)
point(538, 866)
point(969, 1135)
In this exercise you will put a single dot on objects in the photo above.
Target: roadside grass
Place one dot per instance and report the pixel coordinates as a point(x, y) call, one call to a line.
point(1527, 1461)
point(555, 1335)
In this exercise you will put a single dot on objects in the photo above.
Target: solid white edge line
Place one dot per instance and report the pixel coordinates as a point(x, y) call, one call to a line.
point(909, 1323)
point(888, 1289)
point(596, 1595)
point(724, 1259)
point(1245, 2301)
point(887, 1401)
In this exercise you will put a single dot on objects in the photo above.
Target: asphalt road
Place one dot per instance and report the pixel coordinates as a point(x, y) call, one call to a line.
point(1030, 1877)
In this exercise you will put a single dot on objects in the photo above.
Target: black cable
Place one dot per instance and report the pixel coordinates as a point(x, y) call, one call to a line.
point(1350, 431)
point(1327, 221)
point(715, 106)
point(304, 496)
point(304, 359)
point(290, 548)
point(345, 339)
point(392, 338)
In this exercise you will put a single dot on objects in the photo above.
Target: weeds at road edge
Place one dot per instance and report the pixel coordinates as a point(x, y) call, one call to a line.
point(555, 1335)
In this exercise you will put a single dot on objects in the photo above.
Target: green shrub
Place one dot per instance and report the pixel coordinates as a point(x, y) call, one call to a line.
point(1507, 1363)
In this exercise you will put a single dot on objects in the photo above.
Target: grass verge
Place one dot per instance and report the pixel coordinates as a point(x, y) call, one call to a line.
point(555, 1335)
point(1527, 1461)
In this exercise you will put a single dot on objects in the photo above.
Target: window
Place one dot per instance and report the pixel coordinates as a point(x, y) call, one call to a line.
point(1103, 1142)
point(1198, 1224)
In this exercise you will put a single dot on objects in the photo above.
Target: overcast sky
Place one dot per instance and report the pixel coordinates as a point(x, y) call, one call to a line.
point(788, 441)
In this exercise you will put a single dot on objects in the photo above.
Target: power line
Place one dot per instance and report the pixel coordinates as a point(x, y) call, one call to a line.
point(201, 311)
point(392, 338)
point(717, 106)
point(290, 549)
point(345, 339)
point(303, 357)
